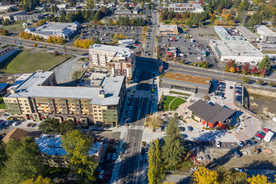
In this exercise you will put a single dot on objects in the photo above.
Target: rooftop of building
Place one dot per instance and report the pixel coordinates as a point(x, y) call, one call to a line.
point(236, 48)
point(51, 145)
point(211, 113)
point(15, 133)
point(119, 50)
point(164, 26)
point(32, 87)
point(197, 7)
point(265, 31)
point(247, 32)
point(188, 78)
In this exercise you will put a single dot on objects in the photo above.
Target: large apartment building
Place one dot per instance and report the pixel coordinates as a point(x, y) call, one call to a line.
point(38, 97)
point(118, 60)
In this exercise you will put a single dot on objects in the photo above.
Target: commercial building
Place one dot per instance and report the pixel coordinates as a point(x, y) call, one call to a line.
point(53, 154)
point(119, 60)
point(16, 134)
point(38, 97)
point(7, 7)
point(225, 35)
point(185, 82)
point(247, 34)
point(7, 52)
point(266, 34)
point(30, 17)
point(64, 30)
point(168, 29)
point(238, 50)
point(3, 88)
point(185, 7)
point(126, 42)
point(211, 115)
point(10, 15)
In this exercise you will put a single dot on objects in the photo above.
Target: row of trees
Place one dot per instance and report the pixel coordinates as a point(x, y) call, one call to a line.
point(53, 126)
point(226, 176)
point(80, 16)
point(167, 156)
point(85, 43)
point(189, 18)
point(263, 67)
point(126, 21)
point(51, 39)
point(4, 32)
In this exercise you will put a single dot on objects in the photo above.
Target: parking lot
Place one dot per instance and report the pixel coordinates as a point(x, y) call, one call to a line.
point(105, 33)
point(192, 45)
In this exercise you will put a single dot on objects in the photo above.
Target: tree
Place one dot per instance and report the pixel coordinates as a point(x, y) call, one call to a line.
point(23, 163)
point(173, 150)
point(189, 23)
point(265, 64)
point(260, 81)
point(66, 126)
point(90, 4)
point(272, 84)
point(259, 179)
point(246, 80)
point(49, 125)
point(77, 146)
point(39, 180)
point(226, 176)
point(232, 70)
point(156, 169)
point(204, 176)
point(6, 22)
point(35, 44)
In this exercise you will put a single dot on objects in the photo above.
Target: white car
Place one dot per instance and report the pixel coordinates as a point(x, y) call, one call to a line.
point(240, 143)
point(15, 124)
point(101, 174)
point(218, 144)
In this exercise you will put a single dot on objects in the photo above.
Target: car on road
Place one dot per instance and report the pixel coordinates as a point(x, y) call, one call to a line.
point(114, 156)
point(240, 143)
point(107, 176)
point(101, 174)
point(237, 153)
point(15, 124)
point(218, 144)
point(108, 156)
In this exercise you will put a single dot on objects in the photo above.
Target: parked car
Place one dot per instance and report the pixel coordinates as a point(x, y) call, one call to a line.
point(101, 174)
point(107, 176)
point(266, 129)
point(114, 156)
point(240, 143)
point(259, 136)
point(237, 153)
point(108, 156)
point(218, 144)
point(248, 142)
point(262, 133)
point(29, 124)
point(15, 124)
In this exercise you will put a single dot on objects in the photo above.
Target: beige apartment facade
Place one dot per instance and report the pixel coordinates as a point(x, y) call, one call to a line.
point(86, 105)
point(118, 60)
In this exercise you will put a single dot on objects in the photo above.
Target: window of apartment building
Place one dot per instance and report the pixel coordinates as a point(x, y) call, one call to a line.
point(95, 110)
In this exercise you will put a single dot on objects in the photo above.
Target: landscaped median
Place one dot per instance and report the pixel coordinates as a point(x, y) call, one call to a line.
point(171, 103)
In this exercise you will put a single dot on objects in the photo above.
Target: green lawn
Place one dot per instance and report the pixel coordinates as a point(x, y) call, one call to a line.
point(174, 105)
point(27, 62)
point(15, 26)
point(2, 104)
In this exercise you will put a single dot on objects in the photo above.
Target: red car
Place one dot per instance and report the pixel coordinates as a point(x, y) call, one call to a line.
point(107, 176)
point(29, 124)
point(266, 129)
point(259, 136)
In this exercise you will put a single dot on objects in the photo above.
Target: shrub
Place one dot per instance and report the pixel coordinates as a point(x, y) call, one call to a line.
point(261, 82)
point(35, 44)
point(246, 80)
point(273, 84)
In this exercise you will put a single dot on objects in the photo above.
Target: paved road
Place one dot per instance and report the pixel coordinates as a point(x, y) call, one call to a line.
point(130, 159)
point(50, 47)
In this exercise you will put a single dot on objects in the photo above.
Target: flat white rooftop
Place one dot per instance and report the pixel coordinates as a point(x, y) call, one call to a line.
point(32, 88)
point(51, 145)
point(236, 48)
point(163, 26)
point(126, 52)
point(265, 31)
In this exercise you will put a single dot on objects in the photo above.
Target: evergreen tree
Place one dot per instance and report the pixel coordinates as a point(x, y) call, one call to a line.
point(265, 64)
point(173, 150)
